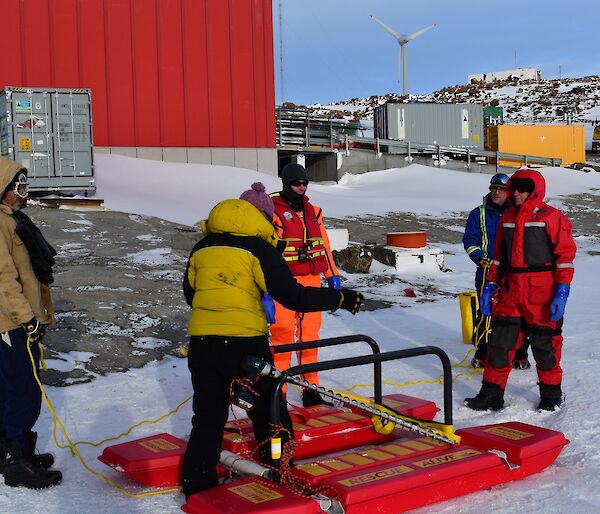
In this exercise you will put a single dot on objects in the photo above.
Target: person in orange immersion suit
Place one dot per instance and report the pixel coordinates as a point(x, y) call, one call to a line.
point(531, 273)
point(308, 255)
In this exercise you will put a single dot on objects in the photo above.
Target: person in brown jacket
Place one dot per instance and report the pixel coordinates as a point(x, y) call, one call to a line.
point(26, 261)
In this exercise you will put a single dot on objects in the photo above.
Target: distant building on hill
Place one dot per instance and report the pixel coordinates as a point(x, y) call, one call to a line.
point(520, 73)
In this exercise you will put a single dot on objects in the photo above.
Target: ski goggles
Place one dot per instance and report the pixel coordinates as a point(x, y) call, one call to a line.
point(21, 186)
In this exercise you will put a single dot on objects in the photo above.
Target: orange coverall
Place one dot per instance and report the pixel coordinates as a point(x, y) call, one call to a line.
point(304, 326)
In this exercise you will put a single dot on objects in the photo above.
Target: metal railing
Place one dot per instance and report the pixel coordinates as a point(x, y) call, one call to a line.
point(439, 151)
point(298, 127)
point(289, 377)
point(334, 341)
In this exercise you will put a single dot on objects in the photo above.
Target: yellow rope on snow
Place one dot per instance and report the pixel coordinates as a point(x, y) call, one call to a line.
point(149, 421)
point(471, 373)
point(73, 446)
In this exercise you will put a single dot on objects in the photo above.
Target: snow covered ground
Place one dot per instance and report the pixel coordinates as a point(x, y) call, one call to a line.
point(185, 193)
point(189, 191)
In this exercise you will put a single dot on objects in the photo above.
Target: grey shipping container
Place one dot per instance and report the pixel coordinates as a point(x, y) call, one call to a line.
point(452, 125)
point(49, 131)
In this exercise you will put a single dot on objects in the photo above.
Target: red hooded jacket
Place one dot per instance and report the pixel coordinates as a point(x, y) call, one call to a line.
point(535, 237)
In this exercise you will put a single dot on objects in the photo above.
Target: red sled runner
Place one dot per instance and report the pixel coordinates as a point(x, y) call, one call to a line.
point(382, 456)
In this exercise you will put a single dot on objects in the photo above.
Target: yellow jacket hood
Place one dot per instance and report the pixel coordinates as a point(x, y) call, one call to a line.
point(239, 218)
point(8, 170)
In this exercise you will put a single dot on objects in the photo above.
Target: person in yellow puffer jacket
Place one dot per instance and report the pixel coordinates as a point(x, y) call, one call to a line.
point(228, 273)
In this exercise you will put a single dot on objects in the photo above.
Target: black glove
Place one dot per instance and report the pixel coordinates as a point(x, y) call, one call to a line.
point(34, 330)
point(351, 300)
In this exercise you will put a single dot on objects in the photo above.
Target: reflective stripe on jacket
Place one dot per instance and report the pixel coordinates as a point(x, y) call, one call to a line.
point(535, 237)
point(480, 233)
point(307, 246)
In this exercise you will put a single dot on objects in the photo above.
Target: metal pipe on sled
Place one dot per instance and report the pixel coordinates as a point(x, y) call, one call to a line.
point(241, 466)
point(342, 464)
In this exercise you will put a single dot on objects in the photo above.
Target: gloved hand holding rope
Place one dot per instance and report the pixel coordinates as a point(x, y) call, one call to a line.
point(34, 330)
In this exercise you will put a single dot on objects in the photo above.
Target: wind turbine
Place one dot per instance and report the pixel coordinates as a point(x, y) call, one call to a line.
point(403, 42)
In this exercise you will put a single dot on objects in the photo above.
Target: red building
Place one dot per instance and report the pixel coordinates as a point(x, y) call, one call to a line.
point(179, 80)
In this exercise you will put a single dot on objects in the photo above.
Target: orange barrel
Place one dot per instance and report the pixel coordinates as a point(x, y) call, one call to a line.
point(407, 239)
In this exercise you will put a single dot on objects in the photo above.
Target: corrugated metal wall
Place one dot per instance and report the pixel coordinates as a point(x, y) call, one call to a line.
point(459, 125)
point(163, 73)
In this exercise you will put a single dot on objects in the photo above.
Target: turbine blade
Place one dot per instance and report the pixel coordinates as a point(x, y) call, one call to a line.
point(385, 27)
point(419, 32)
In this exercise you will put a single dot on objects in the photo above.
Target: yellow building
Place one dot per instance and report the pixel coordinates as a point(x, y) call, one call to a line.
point(566, 142)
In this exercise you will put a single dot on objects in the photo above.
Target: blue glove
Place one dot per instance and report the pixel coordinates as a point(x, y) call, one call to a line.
point(559, 302)
point(269, 307)
point(335, 282)
point(485, 302)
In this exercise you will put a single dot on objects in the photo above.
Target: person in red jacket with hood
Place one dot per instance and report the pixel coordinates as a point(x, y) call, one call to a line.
point(531, 274)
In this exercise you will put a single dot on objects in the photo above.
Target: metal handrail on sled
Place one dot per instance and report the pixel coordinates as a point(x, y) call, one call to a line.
point(289, 377)
point(334, 341)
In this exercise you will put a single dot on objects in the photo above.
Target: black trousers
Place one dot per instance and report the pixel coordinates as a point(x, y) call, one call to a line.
point(20, 395)
point(214, 361)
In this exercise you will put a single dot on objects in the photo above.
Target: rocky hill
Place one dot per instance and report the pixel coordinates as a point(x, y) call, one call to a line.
point(524, 101)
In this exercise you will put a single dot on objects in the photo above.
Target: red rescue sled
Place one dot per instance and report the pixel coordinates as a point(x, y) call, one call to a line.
point(156, 460)
point(399, 475)
point(344, 465)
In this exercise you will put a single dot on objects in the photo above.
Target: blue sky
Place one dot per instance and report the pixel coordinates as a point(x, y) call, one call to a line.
point(334, 51)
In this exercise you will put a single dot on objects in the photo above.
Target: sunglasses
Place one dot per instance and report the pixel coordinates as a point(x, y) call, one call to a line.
point(497, 188)
point(298, 183)
point(522, 189)
point(522, 185)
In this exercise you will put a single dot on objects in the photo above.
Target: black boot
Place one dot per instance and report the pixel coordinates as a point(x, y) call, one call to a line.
point(521, 361)
point(20, 472)
point(310, 398)
point(41, 460)
point(477, 363)
point(490, 397)
point(551, 397)
point(521, 364)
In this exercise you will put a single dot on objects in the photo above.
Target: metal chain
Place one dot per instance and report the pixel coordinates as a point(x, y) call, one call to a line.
point(428, 432)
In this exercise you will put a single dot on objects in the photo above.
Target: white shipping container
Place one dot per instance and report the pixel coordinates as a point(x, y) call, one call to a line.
point(49, 131)
point(450, 125)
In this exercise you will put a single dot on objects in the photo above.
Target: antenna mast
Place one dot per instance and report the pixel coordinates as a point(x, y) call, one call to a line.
point(281, 87)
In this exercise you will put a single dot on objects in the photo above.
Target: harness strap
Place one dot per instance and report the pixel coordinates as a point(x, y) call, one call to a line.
point(532, 269)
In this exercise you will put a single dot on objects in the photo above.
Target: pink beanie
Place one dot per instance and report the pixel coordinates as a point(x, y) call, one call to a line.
point(262, 201)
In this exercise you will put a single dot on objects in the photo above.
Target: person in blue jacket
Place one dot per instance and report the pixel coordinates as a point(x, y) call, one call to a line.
point(478, 240)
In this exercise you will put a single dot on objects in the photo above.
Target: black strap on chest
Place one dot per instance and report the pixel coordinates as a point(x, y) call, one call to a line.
point(532, 269)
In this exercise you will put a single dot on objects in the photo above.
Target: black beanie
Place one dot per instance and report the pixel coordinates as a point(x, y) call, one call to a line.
point(292, 172)
point(523, 184)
